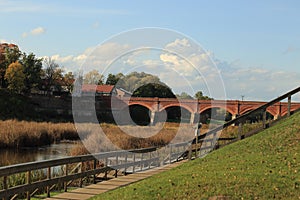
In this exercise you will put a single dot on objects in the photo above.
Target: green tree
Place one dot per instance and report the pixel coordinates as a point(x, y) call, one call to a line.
point(154, 90)
point(32, 70)
point(184, 95)
point(199, 95)
point(93, 77)
point(15, 77)
point(114, 79)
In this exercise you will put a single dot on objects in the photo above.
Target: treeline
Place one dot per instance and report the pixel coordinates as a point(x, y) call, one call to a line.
point(24, 73)
point(139, 84)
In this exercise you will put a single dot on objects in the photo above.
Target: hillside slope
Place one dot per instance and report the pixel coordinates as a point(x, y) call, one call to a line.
point(265, 166)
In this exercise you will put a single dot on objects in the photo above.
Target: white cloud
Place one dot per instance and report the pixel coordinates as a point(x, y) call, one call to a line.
point(34, 32)
point(3, 41)
point(38, 31)
point(92, 58)
point(96, 25)
point(189, 71)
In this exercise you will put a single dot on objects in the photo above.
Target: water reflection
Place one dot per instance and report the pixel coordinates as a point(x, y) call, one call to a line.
point(11, 156)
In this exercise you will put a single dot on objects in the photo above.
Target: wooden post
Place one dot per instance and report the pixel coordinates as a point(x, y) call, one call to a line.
point(117, 162)
point(48, 177)
point(190, 152)
point(126, 158)
point(264, 120)
point(149, 163)
point(142, 157)
point(133, 167)
point(5, 186)
point(289, 105)
point(240, 130)
point(28, 181)
point(66, 174)
point(106, 164)
point(81, 170)
point(196, 150)
point(170, 154)
point(95, 166)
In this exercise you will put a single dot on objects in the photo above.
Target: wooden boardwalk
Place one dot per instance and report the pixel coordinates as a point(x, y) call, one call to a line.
point(104, 186)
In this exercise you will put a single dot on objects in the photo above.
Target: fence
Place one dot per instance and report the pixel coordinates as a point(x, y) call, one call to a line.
point(209, 137)
point(80, 167)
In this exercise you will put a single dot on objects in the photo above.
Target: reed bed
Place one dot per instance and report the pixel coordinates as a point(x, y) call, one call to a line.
point(132, 137)
point(19, 134)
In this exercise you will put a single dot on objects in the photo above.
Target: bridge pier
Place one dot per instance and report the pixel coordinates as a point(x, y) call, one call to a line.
point(152, 118)
point(158, 117)
point(195, 118)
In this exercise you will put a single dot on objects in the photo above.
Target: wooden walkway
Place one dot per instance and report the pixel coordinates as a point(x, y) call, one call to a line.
point(104, 186)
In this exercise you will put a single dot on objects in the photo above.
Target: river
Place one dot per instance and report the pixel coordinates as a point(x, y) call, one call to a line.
point(11, 156)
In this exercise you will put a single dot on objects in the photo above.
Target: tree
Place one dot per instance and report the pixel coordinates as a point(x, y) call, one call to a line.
point(32, 70)
point(15, 77)
point(11, 55)
point(184, 95)
point(199, 95)
point(58, 79)
point(68, 80)
point(154, 90)
point(93, 77)
point(113, 79)
point(50, 73)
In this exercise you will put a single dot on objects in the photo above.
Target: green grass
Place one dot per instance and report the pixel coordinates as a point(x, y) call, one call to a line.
point(265, 166)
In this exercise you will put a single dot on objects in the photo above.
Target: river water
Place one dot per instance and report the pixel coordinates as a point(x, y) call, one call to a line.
point(11, 156)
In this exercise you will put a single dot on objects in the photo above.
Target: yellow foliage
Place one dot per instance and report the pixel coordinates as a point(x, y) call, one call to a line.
point(15, 77)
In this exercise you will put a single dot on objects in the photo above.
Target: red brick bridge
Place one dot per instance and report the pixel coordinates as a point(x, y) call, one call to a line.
point(196, 107)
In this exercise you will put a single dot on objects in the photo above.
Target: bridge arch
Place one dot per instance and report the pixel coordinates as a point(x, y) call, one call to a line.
point(177, 113)
point(140, 114)
point(177, 105)
point(207, 113)
point(141, 104)
point(270, 112)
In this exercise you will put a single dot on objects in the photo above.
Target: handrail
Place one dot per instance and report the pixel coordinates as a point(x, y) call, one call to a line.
point(113, 161)
point(242, 118)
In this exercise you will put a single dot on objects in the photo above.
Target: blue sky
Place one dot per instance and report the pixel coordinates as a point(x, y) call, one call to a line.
point(257, 42)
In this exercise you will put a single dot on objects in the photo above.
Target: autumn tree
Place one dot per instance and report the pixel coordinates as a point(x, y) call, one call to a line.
point(68, 80)
point(93, 77)
point(9, 56)
point(15, 77)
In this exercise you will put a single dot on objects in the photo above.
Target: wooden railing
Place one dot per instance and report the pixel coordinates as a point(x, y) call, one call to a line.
point(240, 121)
point(72, 169)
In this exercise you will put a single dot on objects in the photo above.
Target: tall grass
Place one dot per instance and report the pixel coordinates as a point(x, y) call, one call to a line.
point(18, 134)
point(132, 137)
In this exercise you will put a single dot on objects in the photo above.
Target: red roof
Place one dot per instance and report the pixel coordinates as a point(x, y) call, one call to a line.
point(97, 88)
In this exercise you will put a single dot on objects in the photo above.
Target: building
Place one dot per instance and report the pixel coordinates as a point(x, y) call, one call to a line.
point(98, 90)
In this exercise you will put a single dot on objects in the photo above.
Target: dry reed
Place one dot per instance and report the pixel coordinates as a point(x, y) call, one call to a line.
point(18, 134)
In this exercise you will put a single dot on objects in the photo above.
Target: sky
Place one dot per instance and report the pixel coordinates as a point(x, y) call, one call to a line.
point(254, 45)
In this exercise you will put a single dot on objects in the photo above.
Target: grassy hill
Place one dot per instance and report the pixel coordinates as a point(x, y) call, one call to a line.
point(265, 166)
